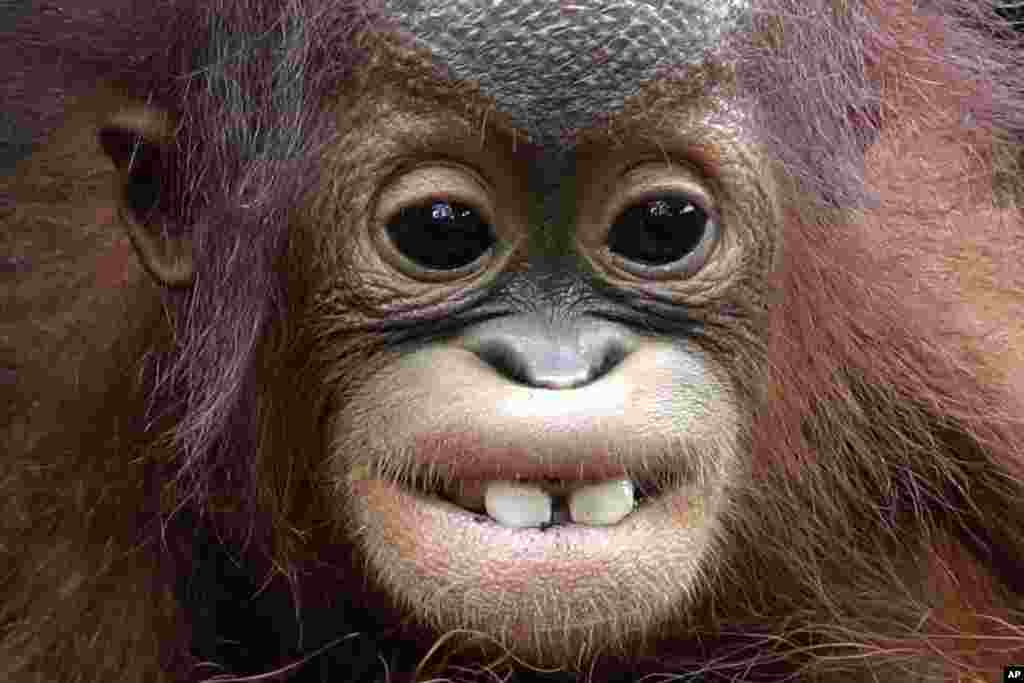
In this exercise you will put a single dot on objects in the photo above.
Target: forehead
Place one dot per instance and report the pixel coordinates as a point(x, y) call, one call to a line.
point(554, 67)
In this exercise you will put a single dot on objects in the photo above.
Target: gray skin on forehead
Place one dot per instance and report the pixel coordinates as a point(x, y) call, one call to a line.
point(553, 66)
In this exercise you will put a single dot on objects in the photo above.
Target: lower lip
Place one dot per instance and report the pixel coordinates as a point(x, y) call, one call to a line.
point(548, 594)
point(430, 537)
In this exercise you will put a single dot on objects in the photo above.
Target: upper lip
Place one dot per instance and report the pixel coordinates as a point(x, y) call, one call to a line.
point(460, 457)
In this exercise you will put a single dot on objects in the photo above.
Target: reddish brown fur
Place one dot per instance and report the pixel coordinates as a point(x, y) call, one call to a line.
point(906, 466)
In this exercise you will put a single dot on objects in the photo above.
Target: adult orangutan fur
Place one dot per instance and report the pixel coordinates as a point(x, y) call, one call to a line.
point(207, 468)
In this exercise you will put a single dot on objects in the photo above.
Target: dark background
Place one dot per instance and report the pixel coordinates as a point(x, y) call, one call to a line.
point(13, 135)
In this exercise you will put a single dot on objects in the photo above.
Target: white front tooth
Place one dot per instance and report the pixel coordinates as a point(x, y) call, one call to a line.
point(602, 504)
point(514, 504)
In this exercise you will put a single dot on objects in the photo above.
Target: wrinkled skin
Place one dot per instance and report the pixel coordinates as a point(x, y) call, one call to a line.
point(434, 339)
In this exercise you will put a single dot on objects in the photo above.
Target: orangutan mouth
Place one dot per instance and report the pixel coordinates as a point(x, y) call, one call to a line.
point(548, 502)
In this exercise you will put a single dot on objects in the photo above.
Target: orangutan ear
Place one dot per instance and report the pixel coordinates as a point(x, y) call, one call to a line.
point(136, 138)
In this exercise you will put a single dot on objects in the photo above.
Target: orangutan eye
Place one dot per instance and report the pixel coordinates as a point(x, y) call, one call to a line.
point(440, 235)
point(660, 231)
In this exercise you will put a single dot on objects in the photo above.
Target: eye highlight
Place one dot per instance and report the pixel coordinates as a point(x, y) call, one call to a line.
point(439, 234)
point(436, 222)
point(667, 230)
